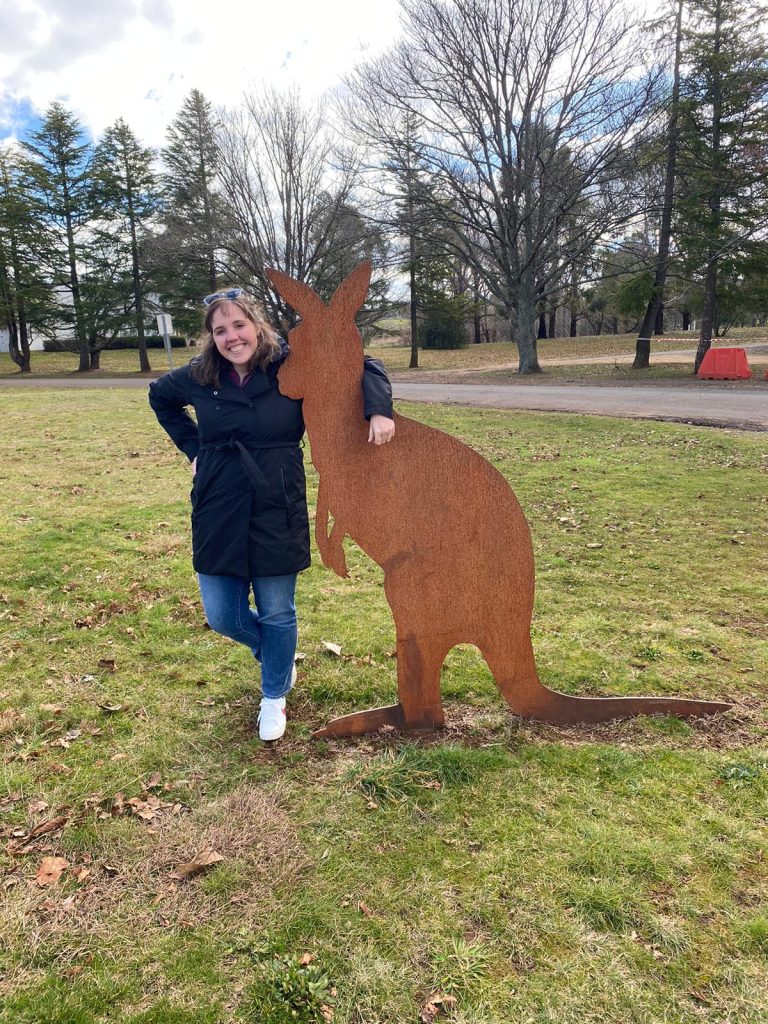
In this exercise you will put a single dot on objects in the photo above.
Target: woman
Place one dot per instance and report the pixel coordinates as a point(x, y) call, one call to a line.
point(250, 529)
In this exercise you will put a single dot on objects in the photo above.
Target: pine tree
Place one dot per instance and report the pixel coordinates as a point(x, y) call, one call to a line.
point(23, 292)
point(59, 187)
point(655, 302)
point(724, 125)
point(186, 251)
point(128, 199)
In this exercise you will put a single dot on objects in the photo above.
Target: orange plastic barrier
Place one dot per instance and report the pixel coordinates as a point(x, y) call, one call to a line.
point(725, 364)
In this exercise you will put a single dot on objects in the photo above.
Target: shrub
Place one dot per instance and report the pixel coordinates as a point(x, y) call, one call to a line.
point(152, 341)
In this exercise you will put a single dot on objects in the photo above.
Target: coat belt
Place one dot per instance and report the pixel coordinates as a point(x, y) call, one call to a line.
point(252, 471)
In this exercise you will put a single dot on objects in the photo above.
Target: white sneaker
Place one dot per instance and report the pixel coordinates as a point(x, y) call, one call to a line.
point(272, 718)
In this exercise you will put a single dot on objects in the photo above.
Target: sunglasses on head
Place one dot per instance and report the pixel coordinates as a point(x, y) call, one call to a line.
point(230, 293)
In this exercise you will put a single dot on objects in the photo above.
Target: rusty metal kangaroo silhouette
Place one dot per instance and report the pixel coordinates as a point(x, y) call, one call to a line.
point(443, 524)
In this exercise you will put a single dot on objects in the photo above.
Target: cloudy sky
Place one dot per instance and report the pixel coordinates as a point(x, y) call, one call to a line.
point(138, 59)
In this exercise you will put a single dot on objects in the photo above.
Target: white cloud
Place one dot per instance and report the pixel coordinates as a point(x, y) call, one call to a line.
point(138, 59)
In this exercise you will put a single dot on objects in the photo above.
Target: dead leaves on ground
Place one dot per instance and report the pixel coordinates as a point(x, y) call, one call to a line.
point(147, 807)
point(50, 870)
point(154, 873)
point(203, 860)
point(23, 842)
point(436, 1003)
point(335, 651)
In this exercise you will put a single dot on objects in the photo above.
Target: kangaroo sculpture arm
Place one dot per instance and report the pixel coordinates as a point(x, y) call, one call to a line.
point(329, 544)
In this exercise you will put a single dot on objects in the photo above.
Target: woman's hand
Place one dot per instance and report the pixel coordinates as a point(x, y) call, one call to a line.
point(194, 465)
point(381, 429)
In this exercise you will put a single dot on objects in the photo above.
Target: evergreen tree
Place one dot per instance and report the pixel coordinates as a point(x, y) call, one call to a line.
point(655, 302)
point(406, 165)
point(724, 125)
point(23, 292)
point(194, 214)
point(128, 199)
point(58, 184)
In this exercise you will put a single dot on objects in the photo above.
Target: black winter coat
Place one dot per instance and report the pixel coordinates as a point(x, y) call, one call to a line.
point(249, 501)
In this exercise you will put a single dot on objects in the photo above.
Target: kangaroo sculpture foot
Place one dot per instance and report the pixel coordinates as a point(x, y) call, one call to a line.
point(361, 722)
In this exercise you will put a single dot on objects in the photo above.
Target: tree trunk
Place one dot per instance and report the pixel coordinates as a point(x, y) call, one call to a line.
point(686, 320)
point(708, 313)
point(22, 355)
point(138, 291)
point(95, 358)
point(476, 327)
point(414, 362)
point(643, 343)
point(658, 327)
point(552, 321)
point(16, 350)
point(526, 336)
point(74, 283)
point(715, 202)
point(542, 331)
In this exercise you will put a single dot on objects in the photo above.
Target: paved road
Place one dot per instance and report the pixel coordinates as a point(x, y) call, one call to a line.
point(706, 403)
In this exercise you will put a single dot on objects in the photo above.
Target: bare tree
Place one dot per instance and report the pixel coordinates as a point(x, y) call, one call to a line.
point(527, 108)
point(290, 195)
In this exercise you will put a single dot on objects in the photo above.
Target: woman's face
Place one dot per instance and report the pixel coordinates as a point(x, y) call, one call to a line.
point(235, 336)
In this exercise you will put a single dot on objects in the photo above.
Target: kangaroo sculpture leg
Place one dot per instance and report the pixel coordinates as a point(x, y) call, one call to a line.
point(419, 707)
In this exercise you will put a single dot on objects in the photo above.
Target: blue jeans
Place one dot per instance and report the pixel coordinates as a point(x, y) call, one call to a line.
point(269, 629)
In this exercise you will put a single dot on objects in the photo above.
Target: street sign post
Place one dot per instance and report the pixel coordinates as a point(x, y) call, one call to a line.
point(165, 327)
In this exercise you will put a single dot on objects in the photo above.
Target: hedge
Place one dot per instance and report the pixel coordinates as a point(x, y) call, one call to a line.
point(152, 341)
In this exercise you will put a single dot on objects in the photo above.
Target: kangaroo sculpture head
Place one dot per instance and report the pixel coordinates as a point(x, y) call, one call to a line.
point(326, 347)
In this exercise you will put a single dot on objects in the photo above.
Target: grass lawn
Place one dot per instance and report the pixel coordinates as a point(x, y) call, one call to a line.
point(125, 362)
point(500, 872)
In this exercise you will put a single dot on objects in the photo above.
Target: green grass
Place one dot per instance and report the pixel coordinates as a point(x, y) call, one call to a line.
point(532, 873)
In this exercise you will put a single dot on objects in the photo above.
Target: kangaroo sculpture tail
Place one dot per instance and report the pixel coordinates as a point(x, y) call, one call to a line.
point(443, 524)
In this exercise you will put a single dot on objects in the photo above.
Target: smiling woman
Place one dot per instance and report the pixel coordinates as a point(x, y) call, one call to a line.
point(237, 332)
point(250, 526)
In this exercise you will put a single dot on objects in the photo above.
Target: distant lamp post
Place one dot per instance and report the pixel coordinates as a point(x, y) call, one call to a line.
point(165, 327)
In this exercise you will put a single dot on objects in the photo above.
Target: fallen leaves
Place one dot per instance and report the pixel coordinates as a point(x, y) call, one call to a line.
point(335, 651)
point(50, 870)
point(24, 843)
point(203, 860)
point(435, 1004)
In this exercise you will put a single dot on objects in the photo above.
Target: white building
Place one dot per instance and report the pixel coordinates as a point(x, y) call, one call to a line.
point(36, 344)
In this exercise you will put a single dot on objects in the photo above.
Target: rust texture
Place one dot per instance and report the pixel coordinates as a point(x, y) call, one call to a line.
point(443, 524)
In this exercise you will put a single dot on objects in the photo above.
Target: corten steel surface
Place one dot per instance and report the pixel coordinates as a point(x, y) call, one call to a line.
point(443, 524)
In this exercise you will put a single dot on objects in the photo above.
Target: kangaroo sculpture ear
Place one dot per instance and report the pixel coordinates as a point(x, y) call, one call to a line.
point(300, 296)
point(350, 295)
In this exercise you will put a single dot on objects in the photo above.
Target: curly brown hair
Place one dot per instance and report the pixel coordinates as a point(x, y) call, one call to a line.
point(207, 367)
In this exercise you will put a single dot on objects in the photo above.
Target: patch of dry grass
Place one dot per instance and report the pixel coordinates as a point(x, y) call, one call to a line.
point(128, 888)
